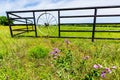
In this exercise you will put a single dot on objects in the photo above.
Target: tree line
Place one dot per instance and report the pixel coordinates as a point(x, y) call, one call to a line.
point(4, 21)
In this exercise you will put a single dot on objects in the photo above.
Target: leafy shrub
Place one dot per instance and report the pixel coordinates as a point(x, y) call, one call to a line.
point(38, 52)
point(1, 55)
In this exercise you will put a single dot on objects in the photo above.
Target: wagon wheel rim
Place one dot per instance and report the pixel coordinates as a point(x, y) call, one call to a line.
point(46, 24)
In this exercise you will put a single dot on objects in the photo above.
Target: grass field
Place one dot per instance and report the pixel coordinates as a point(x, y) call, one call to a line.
point(29, 58)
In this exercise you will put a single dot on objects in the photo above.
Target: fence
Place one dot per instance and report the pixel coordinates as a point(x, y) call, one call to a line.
point(31, 21)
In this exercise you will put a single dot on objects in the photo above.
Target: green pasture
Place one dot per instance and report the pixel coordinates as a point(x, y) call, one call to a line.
point(29, 58)
point(54, 31)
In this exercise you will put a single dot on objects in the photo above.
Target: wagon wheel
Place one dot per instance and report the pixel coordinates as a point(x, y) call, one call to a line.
point(46, 23)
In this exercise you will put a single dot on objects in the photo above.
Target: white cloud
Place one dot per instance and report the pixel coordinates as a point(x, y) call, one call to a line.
point(7, 5)
point(49, 4)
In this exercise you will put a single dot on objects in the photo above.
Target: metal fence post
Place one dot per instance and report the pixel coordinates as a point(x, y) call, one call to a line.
point(59, 23)
point(94, 25)
point(9, 25)
point(27, 25)
point(35, 24)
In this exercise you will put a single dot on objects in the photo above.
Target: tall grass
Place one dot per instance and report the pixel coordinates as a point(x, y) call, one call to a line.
point(73, 60)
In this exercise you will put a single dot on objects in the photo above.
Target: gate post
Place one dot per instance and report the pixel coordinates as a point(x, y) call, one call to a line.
point(26, 25)
point(59, 23)
point(35, 24)
point(94, 25)
point(9, 25)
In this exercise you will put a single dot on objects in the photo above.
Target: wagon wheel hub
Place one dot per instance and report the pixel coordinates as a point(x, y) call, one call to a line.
point(46, 24)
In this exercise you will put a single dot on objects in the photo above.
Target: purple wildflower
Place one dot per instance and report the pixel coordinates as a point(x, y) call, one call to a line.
point(108, 70)
point(103, 74)
point(55, 53)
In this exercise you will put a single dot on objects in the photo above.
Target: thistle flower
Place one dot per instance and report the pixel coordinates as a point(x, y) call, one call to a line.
point(108, 70)
point(56, 50)
point(103, 74)
point(55, 53)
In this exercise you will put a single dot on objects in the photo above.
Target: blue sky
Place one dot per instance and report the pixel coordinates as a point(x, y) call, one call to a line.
point(10, 5)
point(13, 5)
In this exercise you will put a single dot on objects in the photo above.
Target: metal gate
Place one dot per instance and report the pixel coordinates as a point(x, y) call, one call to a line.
point(32, 21)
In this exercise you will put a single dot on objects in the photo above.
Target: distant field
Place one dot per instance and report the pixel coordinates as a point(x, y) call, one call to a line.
point(30, 58)
point(79, 34)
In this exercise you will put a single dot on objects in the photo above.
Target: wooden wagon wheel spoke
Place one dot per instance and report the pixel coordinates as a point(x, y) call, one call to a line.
point(47, 23)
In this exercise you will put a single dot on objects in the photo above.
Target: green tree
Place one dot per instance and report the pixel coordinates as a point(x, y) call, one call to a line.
point(4, 21)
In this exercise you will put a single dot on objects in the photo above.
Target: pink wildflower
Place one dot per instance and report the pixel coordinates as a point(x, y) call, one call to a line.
point(114, 67)
point(52, 52)
point(56, 50)
point(96, 66)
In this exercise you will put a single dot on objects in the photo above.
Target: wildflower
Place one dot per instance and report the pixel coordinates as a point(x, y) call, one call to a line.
point(96, 66)
point(103, 74)
point(52, 52)
point(56, 50)
point(67, 41)
point(108, 70)
point(114, 67)
point(55, 53)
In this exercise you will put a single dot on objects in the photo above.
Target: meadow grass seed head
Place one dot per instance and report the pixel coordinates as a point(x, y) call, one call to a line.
point(67, 41)
point(100, 66)
point(55, 57)
point(86, 57)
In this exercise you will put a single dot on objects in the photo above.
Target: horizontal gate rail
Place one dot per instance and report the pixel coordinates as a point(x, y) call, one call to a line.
point(64, 9)
point(89, 16)
point(89, 30)
point(21, 24)
point(22, 18)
